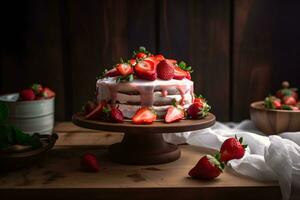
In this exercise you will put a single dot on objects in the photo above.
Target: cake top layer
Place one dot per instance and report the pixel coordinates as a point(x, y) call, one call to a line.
point(148, 67)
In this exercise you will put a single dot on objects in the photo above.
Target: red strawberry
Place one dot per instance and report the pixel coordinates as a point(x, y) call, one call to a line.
point(276, 104)
point(124, 69)
point(47, 93)
point(294, 108)
point(208, 167)
point(174, 114)
point(159, 57)
point(232, 148)
point(37, 88)
point(289, 100)
point(193, 111)
point(132, 62)
point(89, 107)
point(153, 60)
point(165, 70)
point(116, 115)
point(141, 55)
point(172, 61)
point(179, 73)
point(145, 70)
point(96, 112)
point(112, 73)
point(199, 102)
point(188, 75)
point(144, 116)
point(27, 95)
point(90, 163)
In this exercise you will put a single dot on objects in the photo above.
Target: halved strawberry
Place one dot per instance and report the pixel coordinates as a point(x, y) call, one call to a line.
point(174, 114)
point(47, 93)
point(159, 57)
point(124, 69)
point(140, 55)
point(145, 69)
point(96, 112)
point(144, 116)
point(112, 72)
point(132, 62)
point(172, 61)
point(179, 73)
point(188, 75)
point(153, 60)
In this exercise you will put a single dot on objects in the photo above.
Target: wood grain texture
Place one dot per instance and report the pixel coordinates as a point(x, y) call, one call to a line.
point(60, 173)
point(101, 33)
point(31, 48)
point(198, 33)
point(264, 54)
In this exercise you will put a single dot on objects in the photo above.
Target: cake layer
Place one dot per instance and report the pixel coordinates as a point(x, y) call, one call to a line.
point(158, 99)
point(129, 110)
point(158, 94)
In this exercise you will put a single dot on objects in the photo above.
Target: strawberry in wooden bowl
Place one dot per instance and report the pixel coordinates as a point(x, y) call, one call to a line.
point(278, 113)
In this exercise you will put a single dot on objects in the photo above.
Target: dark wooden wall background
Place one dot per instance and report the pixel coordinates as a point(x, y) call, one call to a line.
point(240, 49)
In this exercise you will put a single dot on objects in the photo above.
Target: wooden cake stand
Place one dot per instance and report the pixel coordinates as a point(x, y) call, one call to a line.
point(144, 144)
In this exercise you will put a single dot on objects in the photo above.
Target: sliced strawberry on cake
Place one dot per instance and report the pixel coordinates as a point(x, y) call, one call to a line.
point(145, 69)
point(144, 116)
point(174, 114)
point(124, 69)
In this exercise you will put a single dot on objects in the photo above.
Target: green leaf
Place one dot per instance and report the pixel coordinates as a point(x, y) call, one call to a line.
point(3, 112)
point(286, 107)
point(241, 140)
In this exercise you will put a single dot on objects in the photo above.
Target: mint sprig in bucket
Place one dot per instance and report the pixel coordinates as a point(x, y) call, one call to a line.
point(10, 135)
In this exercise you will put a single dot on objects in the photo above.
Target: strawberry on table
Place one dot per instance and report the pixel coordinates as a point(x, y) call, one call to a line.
point(27, 95)
point(208, 167)
point(89, 163)
point(174, 114)
point(124, 69)
point(232, 148)
point(165, 70)
point(144, 116)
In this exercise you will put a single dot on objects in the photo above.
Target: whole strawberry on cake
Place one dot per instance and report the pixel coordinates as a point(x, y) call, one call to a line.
point(146, 88)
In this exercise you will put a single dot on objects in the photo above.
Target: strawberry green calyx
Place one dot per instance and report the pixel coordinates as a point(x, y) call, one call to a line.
point(205, 110)
point(215, 161)
point(241, 141)
point(128, 78)
point(185, 67)
point(37, 88)
point(141, 50)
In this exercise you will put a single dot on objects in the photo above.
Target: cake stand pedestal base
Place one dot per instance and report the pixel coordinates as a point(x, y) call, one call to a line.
point(143, 149)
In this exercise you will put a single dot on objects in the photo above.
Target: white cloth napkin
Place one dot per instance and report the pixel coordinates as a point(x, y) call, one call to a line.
point(276, 157)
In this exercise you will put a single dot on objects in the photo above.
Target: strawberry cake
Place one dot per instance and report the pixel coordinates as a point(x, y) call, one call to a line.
point(146, 84)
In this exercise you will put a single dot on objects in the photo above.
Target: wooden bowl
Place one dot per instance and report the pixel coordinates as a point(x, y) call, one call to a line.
point(18, 156)
point(271, 121)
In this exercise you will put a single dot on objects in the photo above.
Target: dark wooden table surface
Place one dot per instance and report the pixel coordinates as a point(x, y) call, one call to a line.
point(58, 176)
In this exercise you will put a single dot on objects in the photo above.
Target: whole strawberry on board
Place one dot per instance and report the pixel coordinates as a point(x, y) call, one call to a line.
point(208, 167)
point(232, 148)
point(89, 163)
